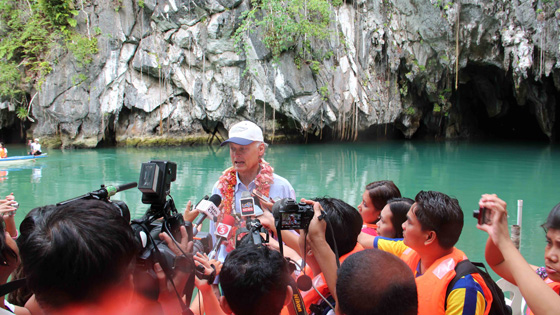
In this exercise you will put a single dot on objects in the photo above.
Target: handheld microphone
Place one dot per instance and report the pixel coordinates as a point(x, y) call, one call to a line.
point(223, 230)
point(208, 208)
point(247, 204)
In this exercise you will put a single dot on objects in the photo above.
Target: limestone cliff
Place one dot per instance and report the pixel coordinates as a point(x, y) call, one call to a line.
point(171, 68)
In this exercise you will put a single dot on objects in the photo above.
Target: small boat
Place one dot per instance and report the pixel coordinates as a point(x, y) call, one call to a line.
point(12, 160)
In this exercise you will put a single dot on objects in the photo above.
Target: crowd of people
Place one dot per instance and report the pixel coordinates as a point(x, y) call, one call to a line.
point(391, 255)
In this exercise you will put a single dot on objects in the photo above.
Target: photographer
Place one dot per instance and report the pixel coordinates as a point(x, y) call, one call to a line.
point(340, 233)
point(79, 258)
point(502, 256)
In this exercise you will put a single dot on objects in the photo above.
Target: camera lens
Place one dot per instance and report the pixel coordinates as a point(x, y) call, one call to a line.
point(476, 213)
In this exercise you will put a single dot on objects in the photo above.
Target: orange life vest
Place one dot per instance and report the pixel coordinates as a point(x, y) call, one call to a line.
point(311, 296)
point(3, 153)
point(553, 285)
point(432, 285)
point(370, 228)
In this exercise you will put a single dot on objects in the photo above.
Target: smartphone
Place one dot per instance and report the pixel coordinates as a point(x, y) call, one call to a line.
point(262, 197)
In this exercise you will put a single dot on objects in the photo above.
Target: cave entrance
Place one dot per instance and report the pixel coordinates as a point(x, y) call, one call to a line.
point(486, 100)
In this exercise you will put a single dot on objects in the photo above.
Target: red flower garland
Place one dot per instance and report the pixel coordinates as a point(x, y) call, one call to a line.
point(228, 180)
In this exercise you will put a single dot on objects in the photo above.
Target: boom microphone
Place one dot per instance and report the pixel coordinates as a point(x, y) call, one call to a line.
point(208, 208)
point(101, 194)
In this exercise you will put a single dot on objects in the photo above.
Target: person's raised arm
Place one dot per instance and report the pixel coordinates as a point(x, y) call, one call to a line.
point(8, 213)
point(366, 240)
point(321, 250)
point(209, 299)
point(540, 298)
point(168, 298)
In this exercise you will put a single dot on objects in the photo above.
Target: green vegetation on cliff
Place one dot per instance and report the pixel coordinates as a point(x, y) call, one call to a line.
point(32, 36)
point(289, 25)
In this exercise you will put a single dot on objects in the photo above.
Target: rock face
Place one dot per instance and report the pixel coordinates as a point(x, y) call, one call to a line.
point(170, 68)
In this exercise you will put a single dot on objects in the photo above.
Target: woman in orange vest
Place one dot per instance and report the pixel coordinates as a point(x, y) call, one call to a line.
point(3, 151)
point(507, 262)
point(392, 217)
point(374, 199)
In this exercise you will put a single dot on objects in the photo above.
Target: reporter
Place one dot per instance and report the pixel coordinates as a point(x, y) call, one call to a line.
point(344, 226)
point(502, 256)
point(79, 258)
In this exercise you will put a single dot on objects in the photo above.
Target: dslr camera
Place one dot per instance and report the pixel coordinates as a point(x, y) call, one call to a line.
point(291, 215)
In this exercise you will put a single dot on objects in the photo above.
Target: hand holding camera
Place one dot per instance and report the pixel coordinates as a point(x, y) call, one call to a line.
point(493, 219)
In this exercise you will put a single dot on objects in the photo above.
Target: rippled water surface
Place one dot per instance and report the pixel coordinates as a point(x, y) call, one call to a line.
point(465, 170)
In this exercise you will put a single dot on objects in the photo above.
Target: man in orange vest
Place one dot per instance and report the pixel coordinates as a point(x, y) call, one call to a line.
point(433, 226)
point(3, 151)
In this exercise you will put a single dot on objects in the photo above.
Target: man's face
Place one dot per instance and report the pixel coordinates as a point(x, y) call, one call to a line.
point(245, 158)
point(413, 234)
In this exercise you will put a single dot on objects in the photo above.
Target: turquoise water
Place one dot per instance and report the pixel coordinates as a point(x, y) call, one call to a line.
point(465, 170)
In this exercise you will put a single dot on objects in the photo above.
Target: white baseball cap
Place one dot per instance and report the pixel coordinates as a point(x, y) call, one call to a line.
point(244, 133)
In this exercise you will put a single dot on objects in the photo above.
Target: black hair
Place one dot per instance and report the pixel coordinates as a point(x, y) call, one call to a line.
point(399, 208)
point(72, 253)
point(381, 191)
point(5, 250)
point(346, 223)
point(254, 279)
point(553, 219)
point(376, 282)
point(438, 212)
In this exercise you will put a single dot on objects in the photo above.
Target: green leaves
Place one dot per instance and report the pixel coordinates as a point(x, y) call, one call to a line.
point(22, 113)
point(288, 24)
point(32, 31)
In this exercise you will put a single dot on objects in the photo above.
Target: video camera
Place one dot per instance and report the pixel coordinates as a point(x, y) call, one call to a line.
point(162, 216)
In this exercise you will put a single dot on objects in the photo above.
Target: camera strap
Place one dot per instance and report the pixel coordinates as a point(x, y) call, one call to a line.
point(167, 270)
point(11, 286)
point(297, 299)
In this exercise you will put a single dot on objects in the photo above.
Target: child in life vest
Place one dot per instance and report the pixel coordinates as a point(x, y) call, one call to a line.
point(3, 151)
point(502, 256)
point(374, 198)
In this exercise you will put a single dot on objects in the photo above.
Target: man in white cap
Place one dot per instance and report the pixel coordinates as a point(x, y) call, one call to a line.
point(249, 172)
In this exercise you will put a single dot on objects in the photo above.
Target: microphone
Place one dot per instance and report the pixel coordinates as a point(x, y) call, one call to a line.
point(223, 230)
point(101, 194)
point(247, 204)
point(112, 190)
point(208, 208)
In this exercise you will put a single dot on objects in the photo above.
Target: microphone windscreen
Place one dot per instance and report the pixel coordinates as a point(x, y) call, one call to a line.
point(127, 186)
point(245, 194)
point(304, 282)
point(216, 199)
point(229, 220)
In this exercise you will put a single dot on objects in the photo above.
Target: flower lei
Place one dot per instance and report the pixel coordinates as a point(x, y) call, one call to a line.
point(228, 180)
